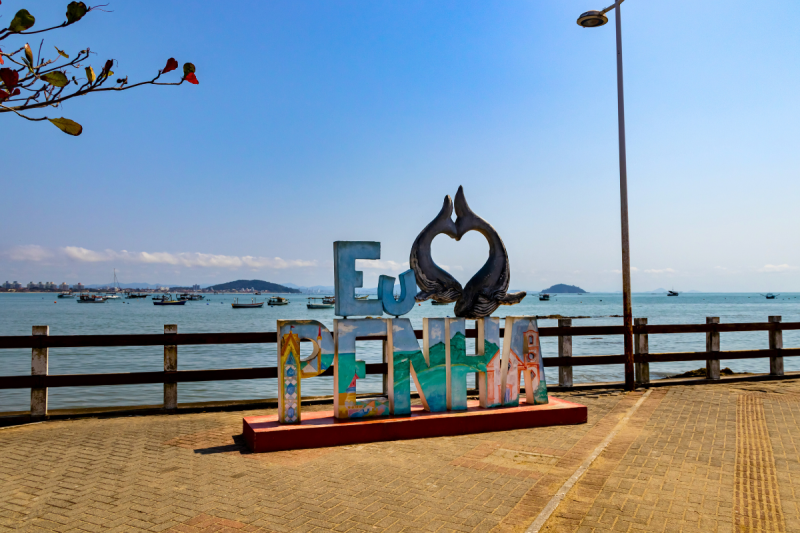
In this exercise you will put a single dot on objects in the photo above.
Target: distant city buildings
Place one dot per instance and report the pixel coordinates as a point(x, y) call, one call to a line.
point(78, 287)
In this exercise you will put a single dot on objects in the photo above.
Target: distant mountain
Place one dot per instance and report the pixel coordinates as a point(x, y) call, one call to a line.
point(561, 288)
point(257, 284)
point(127, 285)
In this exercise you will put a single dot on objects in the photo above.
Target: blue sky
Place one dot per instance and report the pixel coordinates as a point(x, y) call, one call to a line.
point(317, 121)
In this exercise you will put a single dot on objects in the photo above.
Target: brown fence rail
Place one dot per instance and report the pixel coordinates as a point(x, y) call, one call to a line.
point(40, 343)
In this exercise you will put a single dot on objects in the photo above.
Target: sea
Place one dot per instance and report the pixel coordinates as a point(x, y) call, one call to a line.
point(20, 311)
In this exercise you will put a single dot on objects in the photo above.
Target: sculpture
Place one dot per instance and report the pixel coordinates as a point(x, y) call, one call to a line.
point(487, 289)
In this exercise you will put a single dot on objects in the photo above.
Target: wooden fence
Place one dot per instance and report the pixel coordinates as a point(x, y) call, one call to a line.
point(41, 341)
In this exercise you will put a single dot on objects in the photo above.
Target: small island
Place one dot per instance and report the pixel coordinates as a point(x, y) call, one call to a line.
point(560, 288)
point(255, 284)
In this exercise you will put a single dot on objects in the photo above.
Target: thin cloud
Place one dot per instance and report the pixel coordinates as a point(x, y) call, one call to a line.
point(185, 259)
point(29, 252)
point(777, 268)
point(659, 271)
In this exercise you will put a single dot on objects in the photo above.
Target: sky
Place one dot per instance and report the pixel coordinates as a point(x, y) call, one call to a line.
point(317, 121)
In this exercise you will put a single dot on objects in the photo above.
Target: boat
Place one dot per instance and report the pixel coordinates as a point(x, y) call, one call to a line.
point(66, 294)
point(544, 297)
point(258, 293)
point(161, 297)
point(91, 299)
point(672, 293)
point(278, 300)
point(434, 302)
point(164, 301)
point(327, 303)
point(133, 296)
point(770, 296)
point(191, 297)
point(114, 287)
point(362, 297)
point(253, 305)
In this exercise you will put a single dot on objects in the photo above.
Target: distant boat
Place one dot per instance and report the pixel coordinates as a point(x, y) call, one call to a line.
point(132, 296)
point(363, 297)
point(278, 300)
point(770, 296)
point(327, 303)
point(164, 301)
point(544, 297)
point(258, 293)
point(115, 287)
point(190, 297)
point(253, 305)
point(672, 293)
point(91, 299)
point(434, 302)
point(66, 294)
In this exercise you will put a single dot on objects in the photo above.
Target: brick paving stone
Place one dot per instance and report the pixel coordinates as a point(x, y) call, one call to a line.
point(672, 468)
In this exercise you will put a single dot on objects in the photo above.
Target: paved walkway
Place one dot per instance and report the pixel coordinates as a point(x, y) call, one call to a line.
point(702, 458)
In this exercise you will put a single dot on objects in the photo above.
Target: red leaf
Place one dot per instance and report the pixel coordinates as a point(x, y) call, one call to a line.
point(171, 65)
point(3, 95)
point(107, 66)
point(191, 78)
point(10, 77)
point(1, 58)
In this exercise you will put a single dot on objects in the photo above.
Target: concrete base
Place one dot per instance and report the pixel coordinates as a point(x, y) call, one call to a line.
point(320, 429)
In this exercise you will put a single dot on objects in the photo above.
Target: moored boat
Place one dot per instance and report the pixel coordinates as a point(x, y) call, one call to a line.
point(434, 302)
point(253, 305)
point(544, 297)
point(165, 301)
point(672, 293)
point(278, 300)
point(770, 296)
point(326, 303)
point(91, 299)
point(66, 294)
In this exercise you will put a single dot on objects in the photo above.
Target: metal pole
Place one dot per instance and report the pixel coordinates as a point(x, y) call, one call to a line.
point(630, 383)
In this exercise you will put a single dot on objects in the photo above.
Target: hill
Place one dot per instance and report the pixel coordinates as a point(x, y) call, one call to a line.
point(561, 288)
point(257, 284)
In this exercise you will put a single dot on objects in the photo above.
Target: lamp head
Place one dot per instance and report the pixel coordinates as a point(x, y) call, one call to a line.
point(592, 19)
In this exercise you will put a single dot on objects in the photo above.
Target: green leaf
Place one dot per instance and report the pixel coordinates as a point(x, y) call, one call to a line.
point(187, 68)
point(57, 78)
point(61, 52)
point(67, 126)
point(90, 74)
point(75, 12)
point(21, 21)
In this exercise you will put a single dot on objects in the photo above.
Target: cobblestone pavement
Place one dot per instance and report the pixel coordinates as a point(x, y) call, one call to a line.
point(690, 458)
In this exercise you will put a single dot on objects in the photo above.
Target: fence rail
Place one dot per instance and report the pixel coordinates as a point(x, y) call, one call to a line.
point(41, 341)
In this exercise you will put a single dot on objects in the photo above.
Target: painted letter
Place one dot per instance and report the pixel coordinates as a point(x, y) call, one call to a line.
point(291, 369)
point(347, 278)
point(347, 370)
point(428, 369)
point(408, 289)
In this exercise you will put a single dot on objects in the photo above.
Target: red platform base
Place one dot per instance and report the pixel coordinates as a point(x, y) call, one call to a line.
point(320, 429)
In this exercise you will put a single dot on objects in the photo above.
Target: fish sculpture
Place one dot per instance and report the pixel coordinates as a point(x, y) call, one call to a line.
point(487, 289)
point(433, 281)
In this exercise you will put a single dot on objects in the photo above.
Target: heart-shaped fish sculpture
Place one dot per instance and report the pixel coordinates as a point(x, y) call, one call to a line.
point(487, 289)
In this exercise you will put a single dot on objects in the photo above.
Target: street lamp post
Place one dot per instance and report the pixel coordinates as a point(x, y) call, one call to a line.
point(593, 19)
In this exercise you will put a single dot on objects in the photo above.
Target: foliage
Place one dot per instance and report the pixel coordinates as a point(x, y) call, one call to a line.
point(29, 83)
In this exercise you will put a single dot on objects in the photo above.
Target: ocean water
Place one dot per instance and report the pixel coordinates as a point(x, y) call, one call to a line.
point(18, 312)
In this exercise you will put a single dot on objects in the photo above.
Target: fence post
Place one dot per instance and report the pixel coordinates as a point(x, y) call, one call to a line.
point(170, 365)
point(641, 346)
point(565, 350)
point(712, 345)
point(386, 375)
point(39, 365)
point(775, 343)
